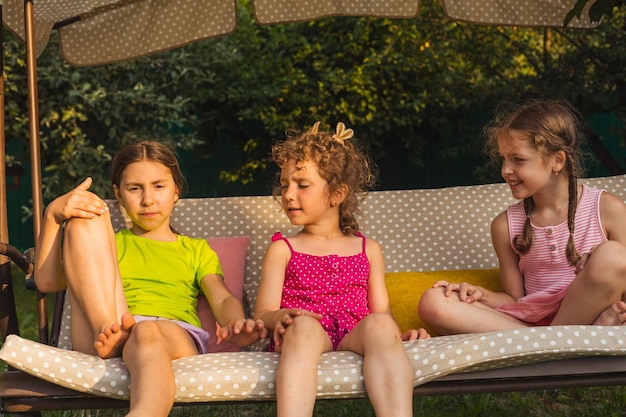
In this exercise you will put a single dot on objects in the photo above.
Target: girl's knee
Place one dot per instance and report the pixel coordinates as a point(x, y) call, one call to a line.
point(304, 323)
point(611, 252)
point(430, 298)
point(607, 263)
point(433, 304)
point(145, 332)
point(377, 332)
point(86, 227)
point(303, 328)
point(379, 326)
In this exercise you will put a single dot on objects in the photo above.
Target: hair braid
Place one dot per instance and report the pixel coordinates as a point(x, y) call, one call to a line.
point(523, 243)
point(572, 179)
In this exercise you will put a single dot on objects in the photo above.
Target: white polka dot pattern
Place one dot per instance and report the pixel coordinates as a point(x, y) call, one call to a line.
point(251, 375)
point(547, 13)
point(490, 12)
point(281, 11)
point(418, 230)
point(112, 30)
point(106, 33)
point(431, 229)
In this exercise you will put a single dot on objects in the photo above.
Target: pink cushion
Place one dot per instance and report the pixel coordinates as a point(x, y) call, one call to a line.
point(232, 254)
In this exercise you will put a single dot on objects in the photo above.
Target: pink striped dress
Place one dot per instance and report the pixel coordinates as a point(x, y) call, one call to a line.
point(545, 269)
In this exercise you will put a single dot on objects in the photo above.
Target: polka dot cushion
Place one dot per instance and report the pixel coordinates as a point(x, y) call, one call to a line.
point(112, 30)
point(251, 375)
point(419, 230)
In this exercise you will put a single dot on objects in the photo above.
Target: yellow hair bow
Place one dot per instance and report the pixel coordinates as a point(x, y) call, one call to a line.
point(342, 134)
point(315, 128)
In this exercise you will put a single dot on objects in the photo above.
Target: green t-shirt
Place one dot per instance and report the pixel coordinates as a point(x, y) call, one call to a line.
point(162, 279)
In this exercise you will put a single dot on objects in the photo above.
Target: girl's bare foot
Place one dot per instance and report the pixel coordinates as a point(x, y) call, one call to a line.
point(111, 341)
point(615, 315)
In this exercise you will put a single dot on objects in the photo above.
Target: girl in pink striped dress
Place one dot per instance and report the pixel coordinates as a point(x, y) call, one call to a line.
point(561, 248)
point(323, 289)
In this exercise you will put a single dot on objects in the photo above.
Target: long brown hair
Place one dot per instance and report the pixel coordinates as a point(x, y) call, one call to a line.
point(147, 150)
point(550, 126)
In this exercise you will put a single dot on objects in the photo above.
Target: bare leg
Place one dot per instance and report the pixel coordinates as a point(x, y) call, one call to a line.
point(96, 293)
point(598, 289)
point(386, 368)
point(296, 378)
point(449, 315)
point(148, 355)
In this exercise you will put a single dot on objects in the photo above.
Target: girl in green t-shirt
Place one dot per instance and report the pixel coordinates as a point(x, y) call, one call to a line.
point(133, 294)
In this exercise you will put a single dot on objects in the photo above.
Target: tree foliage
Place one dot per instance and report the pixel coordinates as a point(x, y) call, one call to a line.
point(88, 113)
point(407, 84)
point(597, 11)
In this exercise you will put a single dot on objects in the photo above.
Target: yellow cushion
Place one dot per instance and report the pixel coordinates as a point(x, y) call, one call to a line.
point(406, 288)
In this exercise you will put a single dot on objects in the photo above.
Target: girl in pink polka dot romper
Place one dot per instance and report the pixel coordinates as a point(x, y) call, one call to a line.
point(323, 289)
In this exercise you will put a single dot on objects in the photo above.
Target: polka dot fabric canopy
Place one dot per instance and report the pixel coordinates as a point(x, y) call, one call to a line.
point(544, 13)
point(113, 30)
point(94, 32)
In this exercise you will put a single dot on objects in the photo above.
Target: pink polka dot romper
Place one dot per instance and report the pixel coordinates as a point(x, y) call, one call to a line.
point(333, 286)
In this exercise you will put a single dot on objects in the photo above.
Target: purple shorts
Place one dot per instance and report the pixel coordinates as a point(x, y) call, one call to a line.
point(199, 336)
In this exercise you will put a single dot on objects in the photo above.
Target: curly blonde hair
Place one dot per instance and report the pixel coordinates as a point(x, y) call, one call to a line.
point(339, 162)
point(550, 126)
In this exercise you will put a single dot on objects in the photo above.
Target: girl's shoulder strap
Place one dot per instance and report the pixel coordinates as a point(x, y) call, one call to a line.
point(279, 236)
point(359, 234)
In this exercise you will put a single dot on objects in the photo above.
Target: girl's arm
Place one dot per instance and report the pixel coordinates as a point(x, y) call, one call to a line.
point(79, 203)
point(229, 313)
point(269, 295)
point(270, 291)
point(378, 297)
point(510, 276)
point(613, 216)
point(511, 281)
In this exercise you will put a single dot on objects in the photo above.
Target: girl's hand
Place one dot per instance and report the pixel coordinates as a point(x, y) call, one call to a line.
point(285, 320)
point(79, 202)
point(241, 332)
point(468, 293)
point(413, 334)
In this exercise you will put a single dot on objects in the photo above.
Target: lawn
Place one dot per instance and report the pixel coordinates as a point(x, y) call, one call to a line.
point(602, 401)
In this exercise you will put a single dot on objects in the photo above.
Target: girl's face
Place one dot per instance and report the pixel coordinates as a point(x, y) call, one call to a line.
point(147, 191)
point(525, 169)
point(304, 193)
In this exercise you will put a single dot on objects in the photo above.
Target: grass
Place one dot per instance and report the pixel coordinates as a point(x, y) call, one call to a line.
point(591, 402)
